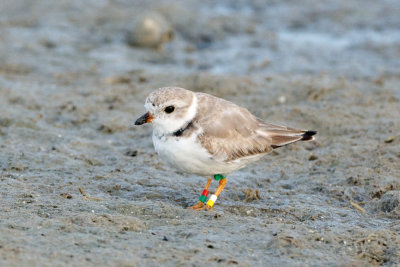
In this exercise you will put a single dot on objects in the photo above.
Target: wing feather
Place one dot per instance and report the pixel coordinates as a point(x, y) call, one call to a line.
point(230, 132)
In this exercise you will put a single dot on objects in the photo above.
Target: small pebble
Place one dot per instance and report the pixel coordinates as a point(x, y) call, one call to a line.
point(66, 195)
point(282, 99)
point(131, 153)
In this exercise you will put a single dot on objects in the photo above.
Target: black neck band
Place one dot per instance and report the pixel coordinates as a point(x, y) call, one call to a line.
point(181, 130)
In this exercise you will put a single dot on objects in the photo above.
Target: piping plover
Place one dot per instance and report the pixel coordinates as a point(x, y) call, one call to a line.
point(205, 135)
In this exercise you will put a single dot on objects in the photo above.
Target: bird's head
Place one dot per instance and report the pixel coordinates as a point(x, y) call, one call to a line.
point(168, 109)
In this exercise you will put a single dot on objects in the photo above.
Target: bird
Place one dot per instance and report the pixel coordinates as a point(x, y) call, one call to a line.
point(201, 134)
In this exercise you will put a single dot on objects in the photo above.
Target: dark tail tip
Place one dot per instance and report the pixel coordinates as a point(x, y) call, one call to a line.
point(308, 135)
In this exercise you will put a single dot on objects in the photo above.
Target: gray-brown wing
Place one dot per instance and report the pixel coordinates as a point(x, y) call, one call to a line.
point(231, 132)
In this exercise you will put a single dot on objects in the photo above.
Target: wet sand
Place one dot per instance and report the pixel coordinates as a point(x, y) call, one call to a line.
point(71, 88)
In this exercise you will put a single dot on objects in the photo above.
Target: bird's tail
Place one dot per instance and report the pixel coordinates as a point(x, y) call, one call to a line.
point(290, 135)
point(308, 135)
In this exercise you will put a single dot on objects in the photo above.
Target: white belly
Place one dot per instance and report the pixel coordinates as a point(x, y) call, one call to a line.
point(187, 155)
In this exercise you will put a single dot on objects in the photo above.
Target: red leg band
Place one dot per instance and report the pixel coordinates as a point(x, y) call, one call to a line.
point(205, 192)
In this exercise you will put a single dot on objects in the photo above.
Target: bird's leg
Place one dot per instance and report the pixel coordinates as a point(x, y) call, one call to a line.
point(200, 205)
point(213, 198)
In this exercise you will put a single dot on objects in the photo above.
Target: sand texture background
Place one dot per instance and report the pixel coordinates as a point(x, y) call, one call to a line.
point(74, 77)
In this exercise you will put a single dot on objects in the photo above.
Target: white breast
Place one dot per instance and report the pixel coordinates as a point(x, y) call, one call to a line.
point(187, 155)
point(183, 153)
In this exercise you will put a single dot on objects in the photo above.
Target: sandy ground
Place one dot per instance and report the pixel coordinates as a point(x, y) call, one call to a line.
point(71, 88)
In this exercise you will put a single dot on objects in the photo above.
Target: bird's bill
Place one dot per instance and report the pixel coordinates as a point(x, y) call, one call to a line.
point(145, 118)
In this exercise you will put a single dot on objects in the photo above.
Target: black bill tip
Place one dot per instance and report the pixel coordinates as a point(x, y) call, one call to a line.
point(145, 118)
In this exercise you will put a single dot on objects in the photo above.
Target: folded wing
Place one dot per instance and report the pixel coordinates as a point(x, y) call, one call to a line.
point(231, 132)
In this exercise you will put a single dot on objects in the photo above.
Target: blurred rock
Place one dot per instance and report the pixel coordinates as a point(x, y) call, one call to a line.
point(117, 80)
point(150, 30)
point(390, 202)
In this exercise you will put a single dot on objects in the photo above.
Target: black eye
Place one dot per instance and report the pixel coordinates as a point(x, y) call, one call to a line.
point(169, 109)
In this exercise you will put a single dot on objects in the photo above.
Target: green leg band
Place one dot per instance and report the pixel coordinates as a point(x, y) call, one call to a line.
point(203, 198)
point(218, 177)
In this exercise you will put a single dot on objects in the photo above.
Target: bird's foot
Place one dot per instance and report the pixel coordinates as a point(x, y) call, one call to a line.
point(200, 206)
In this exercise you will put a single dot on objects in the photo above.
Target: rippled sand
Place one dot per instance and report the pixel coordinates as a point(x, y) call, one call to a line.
point(71, 88)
